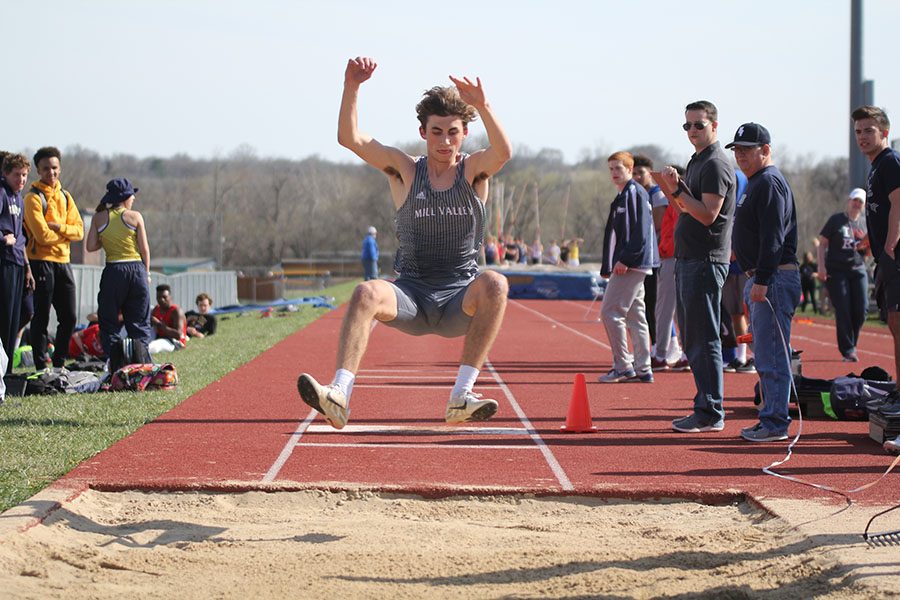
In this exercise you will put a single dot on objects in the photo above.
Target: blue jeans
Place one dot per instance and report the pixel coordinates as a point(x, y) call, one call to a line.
point(698, 309)
point(770, 323)
point(370, 269)
point(848, 290)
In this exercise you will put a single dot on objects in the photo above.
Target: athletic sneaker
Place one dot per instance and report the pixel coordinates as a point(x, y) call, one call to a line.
point(851, 356)
point(329, 400)
point(736, 366)
point(695, 424)
point(658, 364)
point(746, 367)
point(469, 406)
point(618, 376)
point(892, 446)
point(681, 364)
point(759, 433)
point(643, 377)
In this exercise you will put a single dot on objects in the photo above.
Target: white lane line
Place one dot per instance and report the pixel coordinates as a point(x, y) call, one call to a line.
point(832, 345)
point(430, 371)
point(554, 465)
point(366, 445)
point(419, 429)
point(289, 447)
point(447, 376)
point(407, 386)
point(831, 327)
point(558, 324)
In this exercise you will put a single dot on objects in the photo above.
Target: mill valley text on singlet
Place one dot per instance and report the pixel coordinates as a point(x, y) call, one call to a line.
point(440, 232)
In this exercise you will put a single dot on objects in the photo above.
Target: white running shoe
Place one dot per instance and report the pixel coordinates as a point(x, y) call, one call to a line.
point(329, 400)
point(469, 407)
point(892, 446)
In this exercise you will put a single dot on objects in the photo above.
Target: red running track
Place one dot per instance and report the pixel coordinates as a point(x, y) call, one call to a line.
point(249, 430)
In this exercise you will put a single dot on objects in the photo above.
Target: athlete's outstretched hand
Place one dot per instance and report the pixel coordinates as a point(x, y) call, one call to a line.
point(359, 69)
point(471, 93)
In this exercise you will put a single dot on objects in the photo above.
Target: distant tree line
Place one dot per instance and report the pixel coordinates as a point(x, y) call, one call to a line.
point(244, 210)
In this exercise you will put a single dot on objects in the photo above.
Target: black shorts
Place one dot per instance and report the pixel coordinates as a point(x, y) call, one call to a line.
point(733, 293)
point(424, 309)
point(887, 285)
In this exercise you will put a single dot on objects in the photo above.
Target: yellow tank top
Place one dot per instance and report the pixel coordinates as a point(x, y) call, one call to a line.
point(118, 239)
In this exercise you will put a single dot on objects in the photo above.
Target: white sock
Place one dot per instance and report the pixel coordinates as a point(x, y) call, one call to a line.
point(740, 352)
point(343, 379)
point(465, 380)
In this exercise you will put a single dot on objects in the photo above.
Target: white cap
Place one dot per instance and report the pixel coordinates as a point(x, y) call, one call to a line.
point(372, 231)
point(858, 193)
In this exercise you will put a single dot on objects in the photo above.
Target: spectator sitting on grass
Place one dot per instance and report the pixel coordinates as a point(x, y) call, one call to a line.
point(86, 341)
point(200, 323)
point(168, 322)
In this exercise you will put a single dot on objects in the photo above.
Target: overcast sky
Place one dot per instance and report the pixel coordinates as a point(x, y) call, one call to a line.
point(161, 77)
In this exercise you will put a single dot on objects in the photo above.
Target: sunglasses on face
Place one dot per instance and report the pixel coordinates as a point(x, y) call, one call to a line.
point(698, 125)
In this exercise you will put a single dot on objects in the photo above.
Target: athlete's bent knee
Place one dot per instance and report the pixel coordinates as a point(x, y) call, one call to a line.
point(366, 297)
point(495, 286)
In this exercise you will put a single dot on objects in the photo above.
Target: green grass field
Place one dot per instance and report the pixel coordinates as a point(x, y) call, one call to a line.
point(44, 437)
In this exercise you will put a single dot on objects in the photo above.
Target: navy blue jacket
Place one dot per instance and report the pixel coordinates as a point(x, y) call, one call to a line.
point(630, 237)
point(11, 214)
point(765, 225)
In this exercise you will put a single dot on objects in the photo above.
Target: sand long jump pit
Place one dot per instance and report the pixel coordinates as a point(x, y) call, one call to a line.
point(363, 544)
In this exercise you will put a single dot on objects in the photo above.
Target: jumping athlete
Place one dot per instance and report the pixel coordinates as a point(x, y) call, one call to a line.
point(439, 199)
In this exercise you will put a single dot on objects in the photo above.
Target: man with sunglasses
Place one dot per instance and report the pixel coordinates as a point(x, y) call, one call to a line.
point(702, 251)
point(765, 243)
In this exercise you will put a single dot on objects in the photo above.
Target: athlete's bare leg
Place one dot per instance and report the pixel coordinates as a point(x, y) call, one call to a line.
point(373, 299)
point(485, 301)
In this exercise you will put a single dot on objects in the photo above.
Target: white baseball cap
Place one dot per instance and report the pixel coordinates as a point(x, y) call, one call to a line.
point(858, 193)
point(372, 231)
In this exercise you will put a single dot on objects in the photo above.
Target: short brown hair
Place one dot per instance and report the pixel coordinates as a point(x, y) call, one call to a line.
point(12, 161)
point(203, 296)
point(711, 111)
point(872, 112)
point(626, 158)
point(444, 102)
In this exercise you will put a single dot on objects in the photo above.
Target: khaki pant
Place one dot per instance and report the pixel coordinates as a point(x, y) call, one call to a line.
point(623, 310)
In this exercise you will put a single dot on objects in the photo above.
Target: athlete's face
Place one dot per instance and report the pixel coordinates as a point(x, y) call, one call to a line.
point(17, 178)
point(203, 306)
point(869, 137)
point(750, 159)
point(642, 176)
point(48, 170)
point(444, 137)
point(619, 173)
point(706, 135)
point(855, 206)
point(164, 299)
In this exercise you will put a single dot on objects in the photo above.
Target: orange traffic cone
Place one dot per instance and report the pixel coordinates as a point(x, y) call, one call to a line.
point(578, 419)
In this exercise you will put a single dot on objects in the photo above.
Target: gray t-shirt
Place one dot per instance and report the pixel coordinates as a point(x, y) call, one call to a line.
point(708, 172)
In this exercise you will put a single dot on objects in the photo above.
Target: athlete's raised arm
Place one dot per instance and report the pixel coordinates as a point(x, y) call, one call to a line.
point(384, 158)
point(490, 160)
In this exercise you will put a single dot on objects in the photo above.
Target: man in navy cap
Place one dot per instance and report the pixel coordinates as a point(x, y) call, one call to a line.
point(765, 243)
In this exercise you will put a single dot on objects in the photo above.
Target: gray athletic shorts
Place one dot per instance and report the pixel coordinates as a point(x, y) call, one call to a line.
point(424, 308)
point(733, 293)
